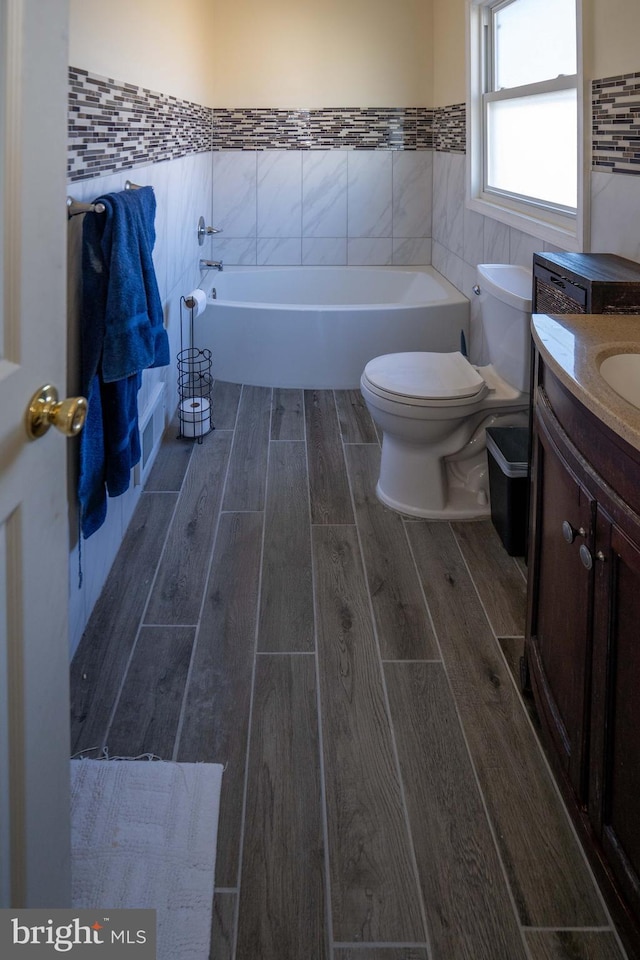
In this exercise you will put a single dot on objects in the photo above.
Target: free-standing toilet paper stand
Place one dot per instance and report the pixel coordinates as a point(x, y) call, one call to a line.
point(194, 376)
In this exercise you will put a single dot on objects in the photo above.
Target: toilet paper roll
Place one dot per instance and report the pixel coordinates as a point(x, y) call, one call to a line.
point(195, 416)
point(196, 301)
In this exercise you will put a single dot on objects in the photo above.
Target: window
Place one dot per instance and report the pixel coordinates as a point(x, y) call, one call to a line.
point(525, 107)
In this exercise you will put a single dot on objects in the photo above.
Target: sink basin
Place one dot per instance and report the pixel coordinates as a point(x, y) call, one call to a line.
point(622, 373)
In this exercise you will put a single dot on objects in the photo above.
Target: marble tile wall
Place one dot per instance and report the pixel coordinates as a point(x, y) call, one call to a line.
point(615, 176)
point(322, 207)
point(183, 192)
point(463, 238)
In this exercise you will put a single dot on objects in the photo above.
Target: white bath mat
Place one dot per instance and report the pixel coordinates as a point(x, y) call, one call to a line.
point(144, 835)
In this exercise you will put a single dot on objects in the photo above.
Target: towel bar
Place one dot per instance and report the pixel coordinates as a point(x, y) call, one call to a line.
point(74, 207)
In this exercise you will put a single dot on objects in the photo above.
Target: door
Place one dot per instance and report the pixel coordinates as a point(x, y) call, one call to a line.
point(615, 736)
point(34, 699)
point(560, 642)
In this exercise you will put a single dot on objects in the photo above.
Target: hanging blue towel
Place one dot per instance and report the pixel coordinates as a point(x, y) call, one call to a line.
point(134, 336)
point(122, 333)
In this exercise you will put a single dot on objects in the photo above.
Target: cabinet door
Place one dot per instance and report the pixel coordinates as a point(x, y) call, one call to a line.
point(559, 644)
point(614, 805)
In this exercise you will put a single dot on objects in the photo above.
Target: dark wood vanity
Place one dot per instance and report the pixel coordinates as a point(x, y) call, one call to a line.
point(583, 619)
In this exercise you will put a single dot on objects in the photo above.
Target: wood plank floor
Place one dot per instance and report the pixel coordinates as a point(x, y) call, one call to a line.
point(384, 796)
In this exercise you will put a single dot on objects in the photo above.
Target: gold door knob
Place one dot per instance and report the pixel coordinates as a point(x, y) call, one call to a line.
point(46, 410)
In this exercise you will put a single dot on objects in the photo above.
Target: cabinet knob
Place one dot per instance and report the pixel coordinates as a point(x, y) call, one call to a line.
point(569, 532)
point(585, 557)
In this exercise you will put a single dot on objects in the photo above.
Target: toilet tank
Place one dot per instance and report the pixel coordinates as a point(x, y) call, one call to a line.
point(505, 314)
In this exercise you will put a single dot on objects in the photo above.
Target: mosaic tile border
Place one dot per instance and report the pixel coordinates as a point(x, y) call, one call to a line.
point(450, 129)
point(615, 105)
point(115, 126)
point(392, 128)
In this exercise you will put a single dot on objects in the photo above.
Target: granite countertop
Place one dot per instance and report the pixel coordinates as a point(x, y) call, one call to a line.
point(574, 345)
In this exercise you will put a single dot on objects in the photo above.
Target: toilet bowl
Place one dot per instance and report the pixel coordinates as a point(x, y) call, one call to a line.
point(433, 408)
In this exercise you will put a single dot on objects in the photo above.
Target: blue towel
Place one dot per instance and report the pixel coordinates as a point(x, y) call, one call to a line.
point(134, 337)
point(122, 333)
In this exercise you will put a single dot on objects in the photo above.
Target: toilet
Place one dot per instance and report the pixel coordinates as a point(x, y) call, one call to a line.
point(433, 408)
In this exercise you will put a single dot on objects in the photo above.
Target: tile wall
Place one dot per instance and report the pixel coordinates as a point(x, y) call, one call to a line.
point(321, 207)
point(615, 176)
point(182, 187)
point(462, 238)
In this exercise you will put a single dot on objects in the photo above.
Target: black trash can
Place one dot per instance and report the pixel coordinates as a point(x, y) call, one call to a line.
point(507, 454)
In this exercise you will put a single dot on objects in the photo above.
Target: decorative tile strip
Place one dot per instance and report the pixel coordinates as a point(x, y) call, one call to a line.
point(616, 124)
point(393, 128)
point(425, 121)
point(114, 126)
point(449, 129)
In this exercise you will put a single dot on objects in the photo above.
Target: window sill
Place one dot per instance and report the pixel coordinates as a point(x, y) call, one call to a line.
point(563, 232)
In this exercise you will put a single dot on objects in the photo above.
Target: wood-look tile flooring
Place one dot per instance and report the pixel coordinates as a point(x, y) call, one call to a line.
point(385, 796)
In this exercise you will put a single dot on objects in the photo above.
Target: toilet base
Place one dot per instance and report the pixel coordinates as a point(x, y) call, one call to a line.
point(462, 504)
point(416, 483)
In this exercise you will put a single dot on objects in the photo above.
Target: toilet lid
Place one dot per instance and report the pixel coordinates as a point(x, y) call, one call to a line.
point(424, 376)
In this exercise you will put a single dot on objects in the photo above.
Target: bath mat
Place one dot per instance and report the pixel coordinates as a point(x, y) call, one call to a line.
point(143, 834)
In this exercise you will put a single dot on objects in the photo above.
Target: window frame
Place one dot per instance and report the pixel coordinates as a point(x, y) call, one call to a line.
point(546, 221)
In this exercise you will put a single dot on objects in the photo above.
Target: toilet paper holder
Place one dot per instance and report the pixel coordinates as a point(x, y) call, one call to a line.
point(194, 377)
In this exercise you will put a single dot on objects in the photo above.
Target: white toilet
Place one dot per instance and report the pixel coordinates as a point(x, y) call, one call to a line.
point(433, 408)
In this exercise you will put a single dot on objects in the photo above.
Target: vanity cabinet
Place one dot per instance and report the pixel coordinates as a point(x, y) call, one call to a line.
point(583, 630)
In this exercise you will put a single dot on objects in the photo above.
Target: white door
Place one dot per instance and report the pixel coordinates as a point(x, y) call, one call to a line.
point(34, 699)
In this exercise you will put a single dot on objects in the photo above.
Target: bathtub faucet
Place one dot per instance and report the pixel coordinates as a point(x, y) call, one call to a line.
point(211, 265)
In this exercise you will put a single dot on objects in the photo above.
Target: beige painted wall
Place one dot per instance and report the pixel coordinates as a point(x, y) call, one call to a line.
point(163, 45)
point(611, 34)
point(312, 53)
point(296, 53)
point(615, 37)
point(449, 45)
point(261, 53)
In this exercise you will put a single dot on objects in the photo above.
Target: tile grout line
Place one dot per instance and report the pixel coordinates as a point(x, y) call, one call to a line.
point(500, 652)
point(196, 639)
point(141, 623)
point(245, 790)
point(284, 653)
point(385, 694)
point(381, 944)
point(483, 802)
point(323, 778)
point(541, 753)
point(594, 929)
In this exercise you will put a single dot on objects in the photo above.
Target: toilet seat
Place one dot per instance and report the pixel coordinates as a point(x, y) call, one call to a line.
point(425, 379)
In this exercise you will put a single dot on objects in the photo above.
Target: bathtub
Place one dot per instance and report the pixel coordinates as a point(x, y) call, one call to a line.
point(317, 327)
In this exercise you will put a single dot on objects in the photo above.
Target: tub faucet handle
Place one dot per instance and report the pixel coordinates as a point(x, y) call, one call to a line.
point(204, 231)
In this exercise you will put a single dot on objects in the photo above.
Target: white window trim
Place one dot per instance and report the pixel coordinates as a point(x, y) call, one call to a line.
point(567, 232)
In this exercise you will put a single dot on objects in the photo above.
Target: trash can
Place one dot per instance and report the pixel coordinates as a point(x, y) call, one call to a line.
point(507, 454)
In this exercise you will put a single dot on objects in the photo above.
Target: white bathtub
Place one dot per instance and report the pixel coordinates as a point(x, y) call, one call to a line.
point(317, 327)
